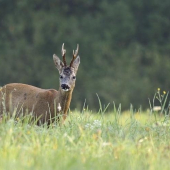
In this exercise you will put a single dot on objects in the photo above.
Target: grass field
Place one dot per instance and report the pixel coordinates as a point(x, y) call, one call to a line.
point(88, 141)
point(131, 140)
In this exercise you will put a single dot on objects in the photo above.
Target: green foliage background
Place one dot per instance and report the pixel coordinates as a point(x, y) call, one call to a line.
point(124, 46)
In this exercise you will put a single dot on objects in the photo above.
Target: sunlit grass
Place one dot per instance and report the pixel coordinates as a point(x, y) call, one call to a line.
point(88, 141)
point(116, 140)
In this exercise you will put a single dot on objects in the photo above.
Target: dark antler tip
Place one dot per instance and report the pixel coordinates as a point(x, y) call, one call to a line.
point(75, 53)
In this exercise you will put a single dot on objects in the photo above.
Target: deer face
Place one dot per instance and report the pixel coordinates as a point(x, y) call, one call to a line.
point(67, 79)
point(67, 73)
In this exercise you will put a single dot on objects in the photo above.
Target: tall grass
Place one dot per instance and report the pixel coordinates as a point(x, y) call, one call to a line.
point(116, 140)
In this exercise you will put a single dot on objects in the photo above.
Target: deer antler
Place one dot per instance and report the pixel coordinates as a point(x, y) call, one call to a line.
point(63, 52)
point(74, 55)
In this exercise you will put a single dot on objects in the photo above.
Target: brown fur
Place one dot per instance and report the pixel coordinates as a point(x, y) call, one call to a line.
point(39, 101)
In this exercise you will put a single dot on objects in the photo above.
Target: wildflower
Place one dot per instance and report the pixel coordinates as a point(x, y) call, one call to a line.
point(28, 132)
point(156, 108)
point(97, 123)
point(159, 89)
point(149, 150)
point(89, 126)
point(147, 129)
point(106, 144)
point(142, 139)
point(94, 125)
point(95, 136)
point(55, 146)
point(164, 92)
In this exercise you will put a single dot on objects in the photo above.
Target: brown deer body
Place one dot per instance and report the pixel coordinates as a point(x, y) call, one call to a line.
point(44, 104)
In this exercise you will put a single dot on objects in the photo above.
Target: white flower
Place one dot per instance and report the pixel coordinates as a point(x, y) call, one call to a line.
point(97, 123)
point(94, 125)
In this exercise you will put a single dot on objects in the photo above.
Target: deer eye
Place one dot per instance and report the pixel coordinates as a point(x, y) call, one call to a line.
point(74, 77)
point(61, 77)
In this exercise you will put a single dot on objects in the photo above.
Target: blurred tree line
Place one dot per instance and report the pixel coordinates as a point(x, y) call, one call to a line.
point(124, 47)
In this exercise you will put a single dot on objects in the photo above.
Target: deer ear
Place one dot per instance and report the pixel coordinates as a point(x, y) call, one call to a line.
point(58, 63)
point(76, 63)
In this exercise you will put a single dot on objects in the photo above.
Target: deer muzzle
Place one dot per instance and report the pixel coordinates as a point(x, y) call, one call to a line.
point(65, 87)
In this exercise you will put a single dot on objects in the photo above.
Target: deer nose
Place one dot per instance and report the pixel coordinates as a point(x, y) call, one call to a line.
point(65, 87)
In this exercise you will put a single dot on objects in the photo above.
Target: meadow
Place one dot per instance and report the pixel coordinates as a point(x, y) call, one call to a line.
point(116, 140)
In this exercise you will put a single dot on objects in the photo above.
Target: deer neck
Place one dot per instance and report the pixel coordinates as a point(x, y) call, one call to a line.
point(65, 100)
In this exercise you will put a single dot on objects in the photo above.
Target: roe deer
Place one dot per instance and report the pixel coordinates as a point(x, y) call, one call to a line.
point(44, 104)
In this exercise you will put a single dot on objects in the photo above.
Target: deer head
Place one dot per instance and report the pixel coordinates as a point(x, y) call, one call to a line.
point(67, 73)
